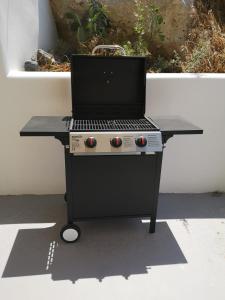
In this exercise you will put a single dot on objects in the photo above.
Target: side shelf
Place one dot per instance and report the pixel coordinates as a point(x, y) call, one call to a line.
point(46, 126)
point(57, 127)
point(170, 126)
point(175, 125)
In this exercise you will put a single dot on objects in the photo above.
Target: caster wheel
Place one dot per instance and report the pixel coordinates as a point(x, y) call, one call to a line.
point(65, 197)
point(70, 233)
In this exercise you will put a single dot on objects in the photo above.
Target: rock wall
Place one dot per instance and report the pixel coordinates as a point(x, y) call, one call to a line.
point(177, 15)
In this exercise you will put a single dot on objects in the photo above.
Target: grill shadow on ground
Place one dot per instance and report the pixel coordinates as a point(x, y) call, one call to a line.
point(106, 248)
point(52, 208)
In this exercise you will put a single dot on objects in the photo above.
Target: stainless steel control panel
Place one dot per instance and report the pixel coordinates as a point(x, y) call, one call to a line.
point(115, 142)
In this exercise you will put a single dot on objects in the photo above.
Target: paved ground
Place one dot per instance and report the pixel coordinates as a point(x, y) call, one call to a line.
point(184, 259)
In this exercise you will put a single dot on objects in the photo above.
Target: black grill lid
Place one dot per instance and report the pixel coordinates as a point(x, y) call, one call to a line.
point(108, 87)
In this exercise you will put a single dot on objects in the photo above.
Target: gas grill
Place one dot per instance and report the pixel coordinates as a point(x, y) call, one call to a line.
point(116, 98)
point(113, 150)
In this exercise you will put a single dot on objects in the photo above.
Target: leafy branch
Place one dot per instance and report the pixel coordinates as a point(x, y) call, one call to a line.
point(95, 23)
point(148, 23)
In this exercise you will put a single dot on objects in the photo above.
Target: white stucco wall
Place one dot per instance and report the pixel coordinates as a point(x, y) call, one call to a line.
point(3, 36)
point(36, 165)
point(192, 163)
point(25, 26)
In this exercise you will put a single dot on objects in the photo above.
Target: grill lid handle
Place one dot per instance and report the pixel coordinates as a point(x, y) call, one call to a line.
point(110, 47)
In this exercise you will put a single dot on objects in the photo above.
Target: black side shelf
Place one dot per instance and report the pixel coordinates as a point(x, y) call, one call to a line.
point(176, 125)
point(57, 127)
point(46, 126)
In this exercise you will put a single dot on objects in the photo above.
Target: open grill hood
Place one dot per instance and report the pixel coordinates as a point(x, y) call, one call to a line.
point(108, 87)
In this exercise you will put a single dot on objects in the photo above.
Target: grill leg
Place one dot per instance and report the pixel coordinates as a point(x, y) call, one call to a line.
point(156, 193)
point(152, 225)
point(68, 194)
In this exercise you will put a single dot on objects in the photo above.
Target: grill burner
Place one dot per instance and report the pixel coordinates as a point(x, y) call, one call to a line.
point(113, 125)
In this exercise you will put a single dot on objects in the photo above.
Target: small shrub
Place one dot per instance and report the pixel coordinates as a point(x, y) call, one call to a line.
point(161, 64)
point(97, 22)
point(94, 24)
point(204, 50)
point(147, 26)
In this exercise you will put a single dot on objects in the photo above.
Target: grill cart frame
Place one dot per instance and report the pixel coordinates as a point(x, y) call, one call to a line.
point(146, 170)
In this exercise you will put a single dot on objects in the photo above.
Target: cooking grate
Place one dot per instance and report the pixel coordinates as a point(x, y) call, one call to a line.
point(113, 125)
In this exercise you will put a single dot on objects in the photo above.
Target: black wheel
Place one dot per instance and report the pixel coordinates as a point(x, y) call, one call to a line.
point(65, 197)
point(70, 233)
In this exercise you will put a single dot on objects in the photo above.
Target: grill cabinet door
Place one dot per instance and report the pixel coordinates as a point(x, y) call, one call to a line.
point(104, 186)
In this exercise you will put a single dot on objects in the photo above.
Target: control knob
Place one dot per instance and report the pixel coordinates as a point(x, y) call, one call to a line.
point(91, 142)
point(141, 141)
point(116, 142)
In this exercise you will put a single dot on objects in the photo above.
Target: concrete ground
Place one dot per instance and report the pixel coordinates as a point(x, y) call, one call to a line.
point(114, 259)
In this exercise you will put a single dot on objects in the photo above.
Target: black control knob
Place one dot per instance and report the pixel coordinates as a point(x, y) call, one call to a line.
point(116, 142)
point(91, 142)
point(141, 141)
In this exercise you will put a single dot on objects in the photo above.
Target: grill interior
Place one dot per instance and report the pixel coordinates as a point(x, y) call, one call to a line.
point(113, 125)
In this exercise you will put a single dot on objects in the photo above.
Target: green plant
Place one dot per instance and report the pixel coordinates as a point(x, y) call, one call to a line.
point(199, 54)
point(75, 23)
point(149, 20)
point(95, 23)
point(161, 64)
point(154, 22)
point(148, 25)
point(129, 49)
point(140, 44)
